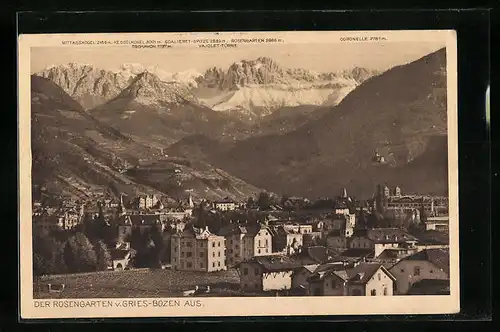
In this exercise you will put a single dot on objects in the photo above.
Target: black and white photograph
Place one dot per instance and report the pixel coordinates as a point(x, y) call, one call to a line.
point(177, 168)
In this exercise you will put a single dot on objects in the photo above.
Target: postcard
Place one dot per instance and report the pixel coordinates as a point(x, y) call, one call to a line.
point(213, 174)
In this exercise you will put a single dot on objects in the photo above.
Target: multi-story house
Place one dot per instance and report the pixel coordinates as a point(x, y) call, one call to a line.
point(428, 264)
point(380, 239)
point(225, 205)
point(286, 240)
point(197, 249)
point(147, 202)
point(244, 241)
point(267, 273)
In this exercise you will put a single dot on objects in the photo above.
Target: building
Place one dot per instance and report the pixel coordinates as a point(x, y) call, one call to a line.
point(430, 287)
point(427, 264)
point(142, 222)
point(364, 279)
point(336, 239)
point(59, 219)
point(120, 259)
point(301, 275)
point(312, 239)
point(385, 199)
point(380, 239)
point(244, 241)
point(197, 249)
point(440, 223)
point(286, 240)
point(147, 202)
point(267, 273)
point(225, 205)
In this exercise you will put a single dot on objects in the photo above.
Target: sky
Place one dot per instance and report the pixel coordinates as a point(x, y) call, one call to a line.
point(321, 57)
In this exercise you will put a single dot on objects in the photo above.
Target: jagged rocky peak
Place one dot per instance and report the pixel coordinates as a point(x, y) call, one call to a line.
point(87, 84)
point(148, 88)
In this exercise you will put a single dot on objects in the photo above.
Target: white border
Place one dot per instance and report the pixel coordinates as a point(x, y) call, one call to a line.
point(242, 306)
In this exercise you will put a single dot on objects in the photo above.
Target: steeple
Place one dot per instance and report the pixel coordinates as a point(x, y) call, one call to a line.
point(190, 202)
point(344, 193)
point(121, 209)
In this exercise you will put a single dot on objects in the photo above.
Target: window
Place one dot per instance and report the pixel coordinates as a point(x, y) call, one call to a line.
point(431, 271)
point(266, 251)
point(189, 265)
point(189, 254)
point(182, 253)
point(202, 254)
point(267, 242)
point(213, 254)
point(213, 264)
point(259, 243)
point(201, 265)
point(373, 292)
point(258, 251)
point(201, 244)
point(379, 277)
point(218, 254)
point(402, 270)
point(416, 270)
point(334, 284)
point(218, 263)
point(256, 271)
point(245, 271)
point(218, 244)
point(213, 244)
point(385, 290)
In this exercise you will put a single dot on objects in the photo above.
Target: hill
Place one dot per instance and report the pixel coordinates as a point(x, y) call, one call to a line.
point(401, 114)
point(158, 114)
point(76, 155)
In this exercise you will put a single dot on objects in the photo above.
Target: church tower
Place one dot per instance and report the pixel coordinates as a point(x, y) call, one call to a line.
point(190, 202)
point(121, 208)
point(343, 194)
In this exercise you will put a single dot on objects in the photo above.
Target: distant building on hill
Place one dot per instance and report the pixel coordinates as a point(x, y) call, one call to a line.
point(225, 205)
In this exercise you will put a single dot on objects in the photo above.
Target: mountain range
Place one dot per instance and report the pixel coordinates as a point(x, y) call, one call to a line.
point(400, 114)
point(235, 132)
point(74, 154)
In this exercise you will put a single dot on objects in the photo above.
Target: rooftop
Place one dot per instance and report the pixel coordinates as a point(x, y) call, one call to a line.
point(386, 235)
point(430, 287)
point(439, 257)
point(274, 263)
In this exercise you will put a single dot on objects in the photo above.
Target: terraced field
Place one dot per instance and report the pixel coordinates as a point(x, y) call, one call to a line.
point(135, 284)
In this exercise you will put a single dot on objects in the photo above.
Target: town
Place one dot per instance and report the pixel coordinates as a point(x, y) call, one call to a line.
point(392, 244)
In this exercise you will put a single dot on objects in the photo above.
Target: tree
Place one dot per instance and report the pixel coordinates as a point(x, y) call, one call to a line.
point(264, 201)
point(250, 202)
point(46, 254)
point(79, 254)
point(103, 256)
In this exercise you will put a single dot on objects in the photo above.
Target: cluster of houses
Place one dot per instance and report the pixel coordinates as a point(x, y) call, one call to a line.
point(424, 272)
point(336, 254)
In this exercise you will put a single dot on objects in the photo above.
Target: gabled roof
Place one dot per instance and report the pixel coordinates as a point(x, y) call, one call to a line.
point(439, 257)
point(358, 253)
point(144, 219)
point(430, 287)
point(118, 254)
point(317, 254)
point(363, 272)
point(274, 263)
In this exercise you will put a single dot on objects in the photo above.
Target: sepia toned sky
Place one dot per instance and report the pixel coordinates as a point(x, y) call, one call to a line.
point(318, 57)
